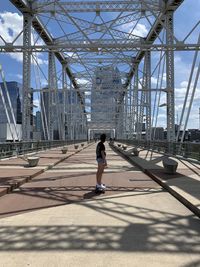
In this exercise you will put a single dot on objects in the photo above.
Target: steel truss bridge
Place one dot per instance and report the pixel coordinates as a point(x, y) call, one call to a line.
point(101, 57)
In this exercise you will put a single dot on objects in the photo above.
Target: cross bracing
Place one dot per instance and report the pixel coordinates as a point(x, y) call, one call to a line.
point(104, 49)
point(95, 6)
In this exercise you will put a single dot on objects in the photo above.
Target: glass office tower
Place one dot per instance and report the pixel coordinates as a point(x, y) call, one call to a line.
point(15, 94)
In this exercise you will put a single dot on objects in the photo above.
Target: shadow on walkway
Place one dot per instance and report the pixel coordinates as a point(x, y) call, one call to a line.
point(163, 234)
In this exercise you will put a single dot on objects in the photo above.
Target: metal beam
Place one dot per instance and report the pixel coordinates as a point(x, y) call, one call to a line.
point(94, 6)
point(103, 60)
point(104, 48)
point(26, 106)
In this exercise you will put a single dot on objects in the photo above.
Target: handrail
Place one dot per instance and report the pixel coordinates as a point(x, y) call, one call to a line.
point(20, 148)
point(188, 149)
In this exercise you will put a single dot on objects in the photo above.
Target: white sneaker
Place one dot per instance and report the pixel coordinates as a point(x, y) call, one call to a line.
point(103, 186)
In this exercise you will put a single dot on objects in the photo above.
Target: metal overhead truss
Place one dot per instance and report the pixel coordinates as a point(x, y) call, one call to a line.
point(104, 38)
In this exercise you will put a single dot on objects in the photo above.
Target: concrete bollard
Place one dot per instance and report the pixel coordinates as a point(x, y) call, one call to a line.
point(170, 165)
point(64, 149)
point(135, 152)
point(32, 161)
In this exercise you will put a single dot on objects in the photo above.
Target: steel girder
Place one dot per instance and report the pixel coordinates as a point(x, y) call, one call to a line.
point(104, 48)
point(170, 79)
point(148, 94)
point(26, 106)
point(104, 60)
point(95, 6)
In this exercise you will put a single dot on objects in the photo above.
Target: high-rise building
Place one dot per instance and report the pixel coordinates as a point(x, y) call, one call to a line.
point(15, 94)
point(11, 107)
point(38, 122)
point(194, 135)
point(106, 90)
point(157, 133)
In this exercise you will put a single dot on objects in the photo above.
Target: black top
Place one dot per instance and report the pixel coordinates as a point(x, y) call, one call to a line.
point(100, 147)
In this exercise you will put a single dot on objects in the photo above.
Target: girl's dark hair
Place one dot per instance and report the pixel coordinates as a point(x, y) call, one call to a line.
point(103, 137)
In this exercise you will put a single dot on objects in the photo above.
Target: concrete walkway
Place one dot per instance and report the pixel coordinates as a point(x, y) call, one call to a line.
point(15, 171)
point(136, 222)
point(184, 184)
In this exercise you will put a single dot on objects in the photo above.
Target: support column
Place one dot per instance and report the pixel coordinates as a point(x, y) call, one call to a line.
point(71, 113)
point(125, 120)
point(148, 94)
point(26, 96)
point(130, 134)
point(51, 95)
point(64, 97)
point(142, 104)
point(135, 102)
point(170, 78)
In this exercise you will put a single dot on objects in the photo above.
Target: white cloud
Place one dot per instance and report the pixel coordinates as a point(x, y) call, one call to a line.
point(177, 59)
point(154, 80)
point(40, 61)
point(184, 84)
point(59, 83)
point(140, 29)
point(162, 116)
point(19, 77)
point(43, 82)
point(36, 102)
point(17, 56)
point(82, 81)
point(11, 25)
point(71, 54)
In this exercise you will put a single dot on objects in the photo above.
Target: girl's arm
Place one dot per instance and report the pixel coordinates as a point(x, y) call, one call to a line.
point(104, 157)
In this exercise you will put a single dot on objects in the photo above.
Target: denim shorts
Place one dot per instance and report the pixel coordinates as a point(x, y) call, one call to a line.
point(100, 160)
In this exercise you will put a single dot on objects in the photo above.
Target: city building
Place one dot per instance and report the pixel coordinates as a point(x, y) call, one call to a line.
point(10, 130)
point(194, 135)
point(157, 133)
point(105, 94)
point(38, 122)
point(15, 94)
point(12, 94)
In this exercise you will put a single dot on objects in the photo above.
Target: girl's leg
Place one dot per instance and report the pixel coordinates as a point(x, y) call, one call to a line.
point(99, 173)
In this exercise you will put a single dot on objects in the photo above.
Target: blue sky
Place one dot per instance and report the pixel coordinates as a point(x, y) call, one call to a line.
point(185, 19)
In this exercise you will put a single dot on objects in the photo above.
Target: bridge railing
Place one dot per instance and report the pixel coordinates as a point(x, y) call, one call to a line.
point(21, 148)
point(186, 149)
